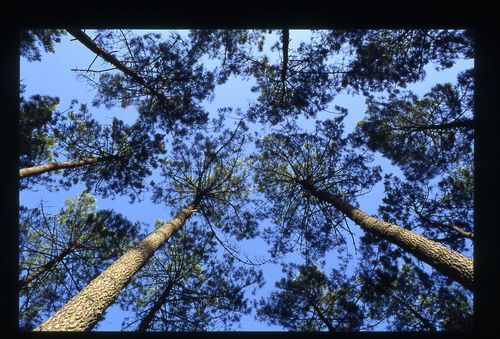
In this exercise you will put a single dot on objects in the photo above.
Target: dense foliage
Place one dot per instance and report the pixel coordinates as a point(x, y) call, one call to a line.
point(64, 251)
point(293, 171)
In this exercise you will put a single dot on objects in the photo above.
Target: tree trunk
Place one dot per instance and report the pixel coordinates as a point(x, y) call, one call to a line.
point(285, 41)
point(90, 44)
point(448, 262)
point(146, 321)
point(322, 317)
point(48, 265)
point(417, 315)
point(284, 69)
point(84, 310)
point(37, 170)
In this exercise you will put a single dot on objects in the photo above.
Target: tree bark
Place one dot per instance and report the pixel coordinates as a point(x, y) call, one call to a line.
point(90, 44)
point(37, 170)
point(146, 321)
point(48, 265)
point(85, 309)
point(448, 262)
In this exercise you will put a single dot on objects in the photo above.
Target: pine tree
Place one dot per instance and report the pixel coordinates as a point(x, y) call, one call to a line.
point(314, 170)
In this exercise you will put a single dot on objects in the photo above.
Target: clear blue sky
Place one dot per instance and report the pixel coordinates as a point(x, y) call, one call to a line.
point(53, 76)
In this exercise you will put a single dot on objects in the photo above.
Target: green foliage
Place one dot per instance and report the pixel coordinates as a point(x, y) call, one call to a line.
point(126, 154)
point(424, 136)
point(289, 159)
point(442, 212)
point(32, 40)
point(191, 284)
point(177, 82)
point(308, 300)
point(193, 287)
point(308, 80)
point(398, 290)
point(383, 59)
point(92, 239)
point(210, 171)
point(36, 143)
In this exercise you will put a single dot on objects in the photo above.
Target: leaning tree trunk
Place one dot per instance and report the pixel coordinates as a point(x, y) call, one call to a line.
point(322, 317)
point(100, 51)
point(37, 170)
point(85, 309)
point(48, 265)
point(448, 262)
point(416, 314)
point(148, 318)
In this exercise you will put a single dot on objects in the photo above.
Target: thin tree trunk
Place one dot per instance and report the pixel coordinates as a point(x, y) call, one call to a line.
point(423, 320)
point(37, 170)
point(90, 44)
point(448, 262)
point(284, 69)
point(461, 232)
point(286, 40)
point(323, 318)
point(146, 321)
point(48, 265)
point(85, 309)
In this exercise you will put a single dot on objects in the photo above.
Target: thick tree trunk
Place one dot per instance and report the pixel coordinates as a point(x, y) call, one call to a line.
point(84, 310)
point(48, 265)
point(37, 170)
point(90, 44)
point(146, 321)
point(448, 262)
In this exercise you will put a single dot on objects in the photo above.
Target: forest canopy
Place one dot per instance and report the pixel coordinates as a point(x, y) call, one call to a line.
point(216, 180)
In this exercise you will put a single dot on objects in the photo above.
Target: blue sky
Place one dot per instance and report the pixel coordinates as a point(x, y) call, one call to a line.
point(53, 76)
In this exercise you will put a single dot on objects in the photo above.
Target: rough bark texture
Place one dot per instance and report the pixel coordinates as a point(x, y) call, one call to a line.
point(448, 262)
point(37, 170)
point(48, 265)
point(146, 321)
point(84, 310)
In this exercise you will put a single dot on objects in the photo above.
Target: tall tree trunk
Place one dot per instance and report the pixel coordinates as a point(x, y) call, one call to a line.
point(146, 321)
point(48, 265)
point(285, 42)
point(37, 170)
point(90, 44)
point(448, 262)
point(284, 68)
point(85, 309)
